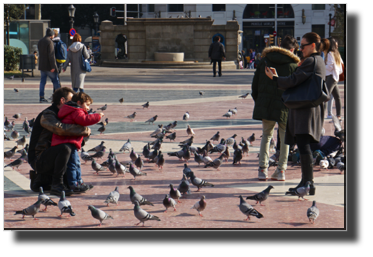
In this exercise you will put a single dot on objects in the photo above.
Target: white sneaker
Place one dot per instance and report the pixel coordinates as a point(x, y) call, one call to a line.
point(262, 173)
point(278, 175)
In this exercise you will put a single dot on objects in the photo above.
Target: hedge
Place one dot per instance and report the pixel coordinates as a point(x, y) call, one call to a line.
point(11, 57)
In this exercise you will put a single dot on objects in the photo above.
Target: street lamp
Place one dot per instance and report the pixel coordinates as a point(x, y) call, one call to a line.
point(71, 10)
point(96, 19)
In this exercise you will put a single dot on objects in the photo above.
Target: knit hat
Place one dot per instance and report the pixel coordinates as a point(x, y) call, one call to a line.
point(49, 32)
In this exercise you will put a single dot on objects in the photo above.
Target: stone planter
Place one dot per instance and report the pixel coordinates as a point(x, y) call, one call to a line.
point(169, 57)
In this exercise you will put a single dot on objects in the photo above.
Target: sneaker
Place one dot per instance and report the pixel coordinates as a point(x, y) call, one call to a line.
point(57, 190)
point(278, 175)
point(78, 189)
point(329, 116)
point(262, 173)
point(43, 100)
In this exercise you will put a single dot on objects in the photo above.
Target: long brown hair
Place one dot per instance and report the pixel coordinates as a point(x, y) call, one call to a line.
point(77, 38)
point(334, 51)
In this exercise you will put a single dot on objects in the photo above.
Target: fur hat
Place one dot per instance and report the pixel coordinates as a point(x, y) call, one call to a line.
point(49, 32)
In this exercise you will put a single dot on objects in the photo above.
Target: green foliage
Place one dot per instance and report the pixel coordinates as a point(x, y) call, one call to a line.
point(11, 57)
point(15, 11)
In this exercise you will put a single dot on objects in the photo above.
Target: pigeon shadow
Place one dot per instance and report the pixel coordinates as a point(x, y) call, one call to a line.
point(240, 221)
point(295, 224)
point(185, 215)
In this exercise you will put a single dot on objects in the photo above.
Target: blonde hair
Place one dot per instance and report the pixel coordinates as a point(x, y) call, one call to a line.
point(55, 32)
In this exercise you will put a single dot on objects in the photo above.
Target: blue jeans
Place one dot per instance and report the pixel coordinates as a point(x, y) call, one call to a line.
point(43, 80)
point(73, 172)
point(76, 89)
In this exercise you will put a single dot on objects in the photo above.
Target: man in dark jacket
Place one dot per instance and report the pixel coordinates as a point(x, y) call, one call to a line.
point(268, 104)
point(50, 163)
point(216, 54)
point(47, 63)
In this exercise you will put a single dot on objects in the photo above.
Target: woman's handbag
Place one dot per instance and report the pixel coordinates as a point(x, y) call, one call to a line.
point(85, 64)
point(308, 94)
point(342, 75)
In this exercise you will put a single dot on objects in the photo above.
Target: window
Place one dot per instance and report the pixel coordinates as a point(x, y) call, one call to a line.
point(150, 7)
point(319, 29)
point(175, 8)
point(318, 7)
point(218, 7)
point(132, 10)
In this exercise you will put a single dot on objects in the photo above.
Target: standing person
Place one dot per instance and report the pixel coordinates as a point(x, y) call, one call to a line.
point(252, 58)
point(60, 50)
point(333, 65)
point(74, 55)
point(269, 107)
point(90, 54)
point(216, 54)
point(49, 163)
point(304, 126)
point(244, 59)
point(47, 63)
point(75, 112)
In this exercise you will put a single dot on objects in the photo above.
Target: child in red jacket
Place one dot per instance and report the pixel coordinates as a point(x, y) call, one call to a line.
point(76, 112)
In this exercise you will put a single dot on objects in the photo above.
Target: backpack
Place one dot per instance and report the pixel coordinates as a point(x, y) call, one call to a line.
point(61, 52)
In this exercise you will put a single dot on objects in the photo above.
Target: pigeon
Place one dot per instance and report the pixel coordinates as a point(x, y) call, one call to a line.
point(171, 136)
point(98, 148)
point(135, 197)
point(243, 96)
point(216, 163)
point(152, 119)
point(230, 141)
point(143, 215)
point(24, 148)
point(157, 131)
point(341, 166)
point(113, 197)
point(27, 129)
point(146, 150)
point(17, 115)
point(85, 156)
point(24, 155)
point(11, 77)
point(169, 202)
point(101, 129)
point(45, 200)
point(133, 155)
point(10, 126)
point(152, 155)
point(65, 206)
point(300, 191)
point(160, 160)
point(262, 196)
point(189, 141)
point(228, 114)
point(174, 124)
point(200, 206)
point(234, 111)
point(248, 210)
point(237, 156)
point(104, 123)
point(324, 164)
point(15, 164)
point(157, 144)
point(121, 100)
point(199, 183)
point(186, 170)
point(186, 116)
point(16, 90)
point(180, 154)
point(6, 122)
point(198, 158)
point(126, 147)
point(206, 159)
point(201, 93)
point(5, 136)
point(9, 154)
point(251, 139)
point(103, 108)
point(184, 186)
point(99, 154)
point(97, 167)
point(215, 137)
point(175, 193)
point(31, 210)
point(190, 131)
point(139, 163)
point(272, 145)
point(121, 169)
point(21, 141)
point(220, 148)
point(313, 212)
point(31, 122)
point(146, 105)
point(135, 172)
point(99, 214)
point(132, 116)
point(111, 166)
point(14, 134)
point(245, 146)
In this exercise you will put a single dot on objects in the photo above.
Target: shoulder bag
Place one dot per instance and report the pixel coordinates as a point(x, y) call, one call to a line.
point(342, 75)
point(85, 63)
point(308, 94)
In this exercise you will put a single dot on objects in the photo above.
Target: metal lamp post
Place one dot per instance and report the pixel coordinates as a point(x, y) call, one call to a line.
point(71, 15)
point(96, 20)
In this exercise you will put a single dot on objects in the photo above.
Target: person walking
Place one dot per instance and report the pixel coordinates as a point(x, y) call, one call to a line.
point(304, 126)
point(216, 54)
point(57, 43)
point(74, 55)
point(269, 107)
point(47, 63)
point(333, 65)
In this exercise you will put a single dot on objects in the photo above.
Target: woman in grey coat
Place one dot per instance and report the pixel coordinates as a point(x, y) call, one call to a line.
point(74, 55)
point(304, 126)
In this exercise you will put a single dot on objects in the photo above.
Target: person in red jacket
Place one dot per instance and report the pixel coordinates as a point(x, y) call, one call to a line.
point(76, 112)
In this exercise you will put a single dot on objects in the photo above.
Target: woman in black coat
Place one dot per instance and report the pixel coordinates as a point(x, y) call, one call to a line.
point(304, 126)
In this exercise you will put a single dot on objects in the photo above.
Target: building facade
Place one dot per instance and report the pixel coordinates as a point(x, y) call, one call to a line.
point(257, 21)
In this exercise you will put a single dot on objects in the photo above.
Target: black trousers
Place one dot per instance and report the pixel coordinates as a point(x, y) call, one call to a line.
point(214, 61)
point(52, 164)
point(306, 158)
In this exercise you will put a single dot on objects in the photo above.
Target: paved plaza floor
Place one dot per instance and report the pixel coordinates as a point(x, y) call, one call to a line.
point(170, 93)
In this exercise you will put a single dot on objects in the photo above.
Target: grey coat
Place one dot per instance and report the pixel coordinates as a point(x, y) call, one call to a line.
point(304, 121)
point(74, 55)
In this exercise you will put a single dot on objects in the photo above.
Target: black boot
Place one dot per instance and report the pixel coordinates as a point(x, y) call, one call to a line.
point(307, 171)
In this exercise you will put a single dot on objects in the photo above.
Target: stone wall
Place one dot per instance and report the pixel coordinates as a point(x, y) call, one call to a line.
point(146, 36)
